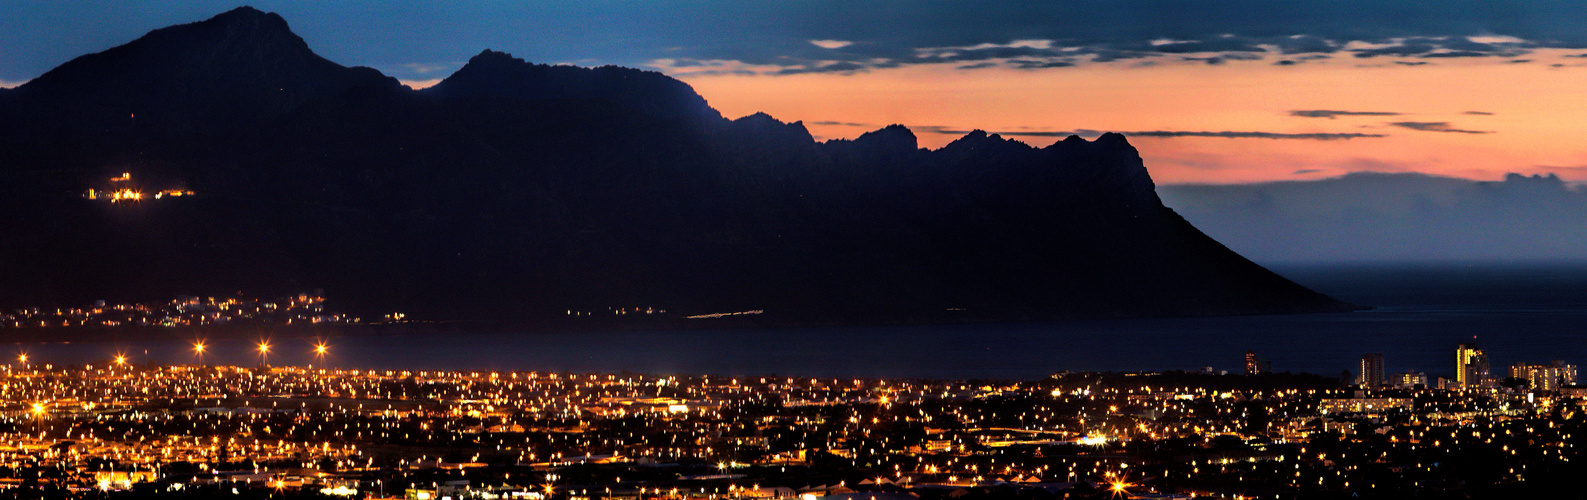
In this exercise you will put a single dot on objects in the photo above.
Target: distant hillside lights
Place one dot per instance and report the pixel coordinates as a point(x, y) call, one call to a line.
point(626, 311)
point(128, 194)
point(619, 311)
point(304, 308)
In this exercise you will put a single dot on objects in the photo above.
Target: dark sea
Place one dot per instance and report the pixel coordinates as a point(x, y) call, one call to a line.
point(1516, 312)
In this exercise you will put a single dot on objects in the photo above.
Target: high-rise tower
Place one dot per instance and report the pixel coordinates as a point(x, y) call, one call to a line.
point(1471, 366)
point(1255, 364)
point(1372, 374)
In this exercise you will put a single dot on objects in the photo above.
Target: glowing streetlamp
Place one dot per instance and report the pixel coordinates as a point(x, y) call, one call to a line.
point(1118, 487)
point(22, 358)
point(198, 347)
point(121, 360)
point(264, 350)
point(321, 348)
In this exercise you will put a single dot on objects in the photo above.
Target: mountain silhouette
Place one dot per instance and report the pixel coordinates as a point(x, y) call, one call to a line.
point(521, 192)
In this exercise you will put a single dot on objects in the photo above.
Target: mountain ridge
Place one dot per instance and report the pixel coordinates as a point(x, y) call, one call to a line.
point(513, 190)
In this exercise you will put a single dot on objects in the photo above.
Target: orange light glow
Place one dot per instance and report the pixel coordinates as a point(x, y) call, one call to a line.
point(125, 195)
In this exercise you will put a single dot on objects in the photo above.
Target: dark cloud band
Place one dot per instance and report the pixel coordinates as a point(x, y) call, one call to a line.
point(845, 36)
point(1331, 114)
point(1167, 133)
point(1437, 127)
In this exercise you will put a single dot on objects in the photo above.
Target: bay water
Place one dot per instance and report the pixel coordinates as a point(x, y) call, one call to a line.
point(1532, 312)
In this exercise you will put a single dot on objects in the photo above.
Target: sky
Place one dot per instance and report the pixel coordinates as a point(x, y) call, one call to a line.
point(1402, 218)
point(1209, 92)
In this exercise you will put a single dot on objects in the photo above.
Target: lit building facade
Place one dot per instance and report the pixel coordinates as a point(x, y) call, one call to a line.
point(1410, 379)
point(1372, 374)
point(1549, 377)
point(1471, 367)
point(1255, 364)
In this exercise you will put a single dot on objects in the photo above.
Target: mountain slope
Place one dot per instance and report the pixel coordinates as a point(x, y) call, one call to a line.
point(520, 192)
point(236, 70)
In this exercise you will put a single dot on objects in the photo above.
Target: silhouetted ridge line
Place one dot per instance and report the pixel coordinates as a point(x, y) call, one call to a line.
point(492, 74)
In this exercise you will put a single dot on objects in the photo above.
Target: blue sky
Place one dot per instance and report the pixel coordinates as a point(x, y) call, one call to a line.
point(412, 39)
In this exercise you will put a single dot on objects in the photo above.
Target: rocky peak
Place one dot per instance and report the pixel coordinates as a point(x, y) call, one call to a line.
point(892, 139)
point(495, 74)
point(762, 124)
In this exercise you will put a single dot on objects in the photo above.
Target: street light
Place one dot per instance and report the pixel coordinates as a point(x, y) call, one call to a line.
point(1118, 487)
point(264, 351)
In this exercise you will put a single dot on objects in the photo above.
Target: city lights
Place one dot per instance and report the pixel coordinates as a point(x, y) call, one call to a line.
point(727, 438)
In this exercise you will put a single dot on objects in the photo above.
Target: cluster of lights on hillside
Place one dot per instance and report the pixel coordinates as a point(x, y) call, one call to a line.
point(121, 191)
point(300, 309)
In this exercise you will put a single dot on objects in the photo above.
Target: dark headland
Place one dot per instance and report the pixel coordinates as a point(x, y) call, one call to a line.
point(527, 193)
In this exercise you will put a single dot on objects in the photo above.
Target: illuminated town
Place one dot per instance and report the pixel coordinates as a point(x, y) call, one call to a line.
point(183, 311)
point(121, 428)
point(120, 191)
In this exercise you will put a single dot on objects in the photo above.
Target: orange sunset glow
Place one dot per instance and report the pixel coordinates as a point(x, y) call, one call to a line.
point(1531, 128)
